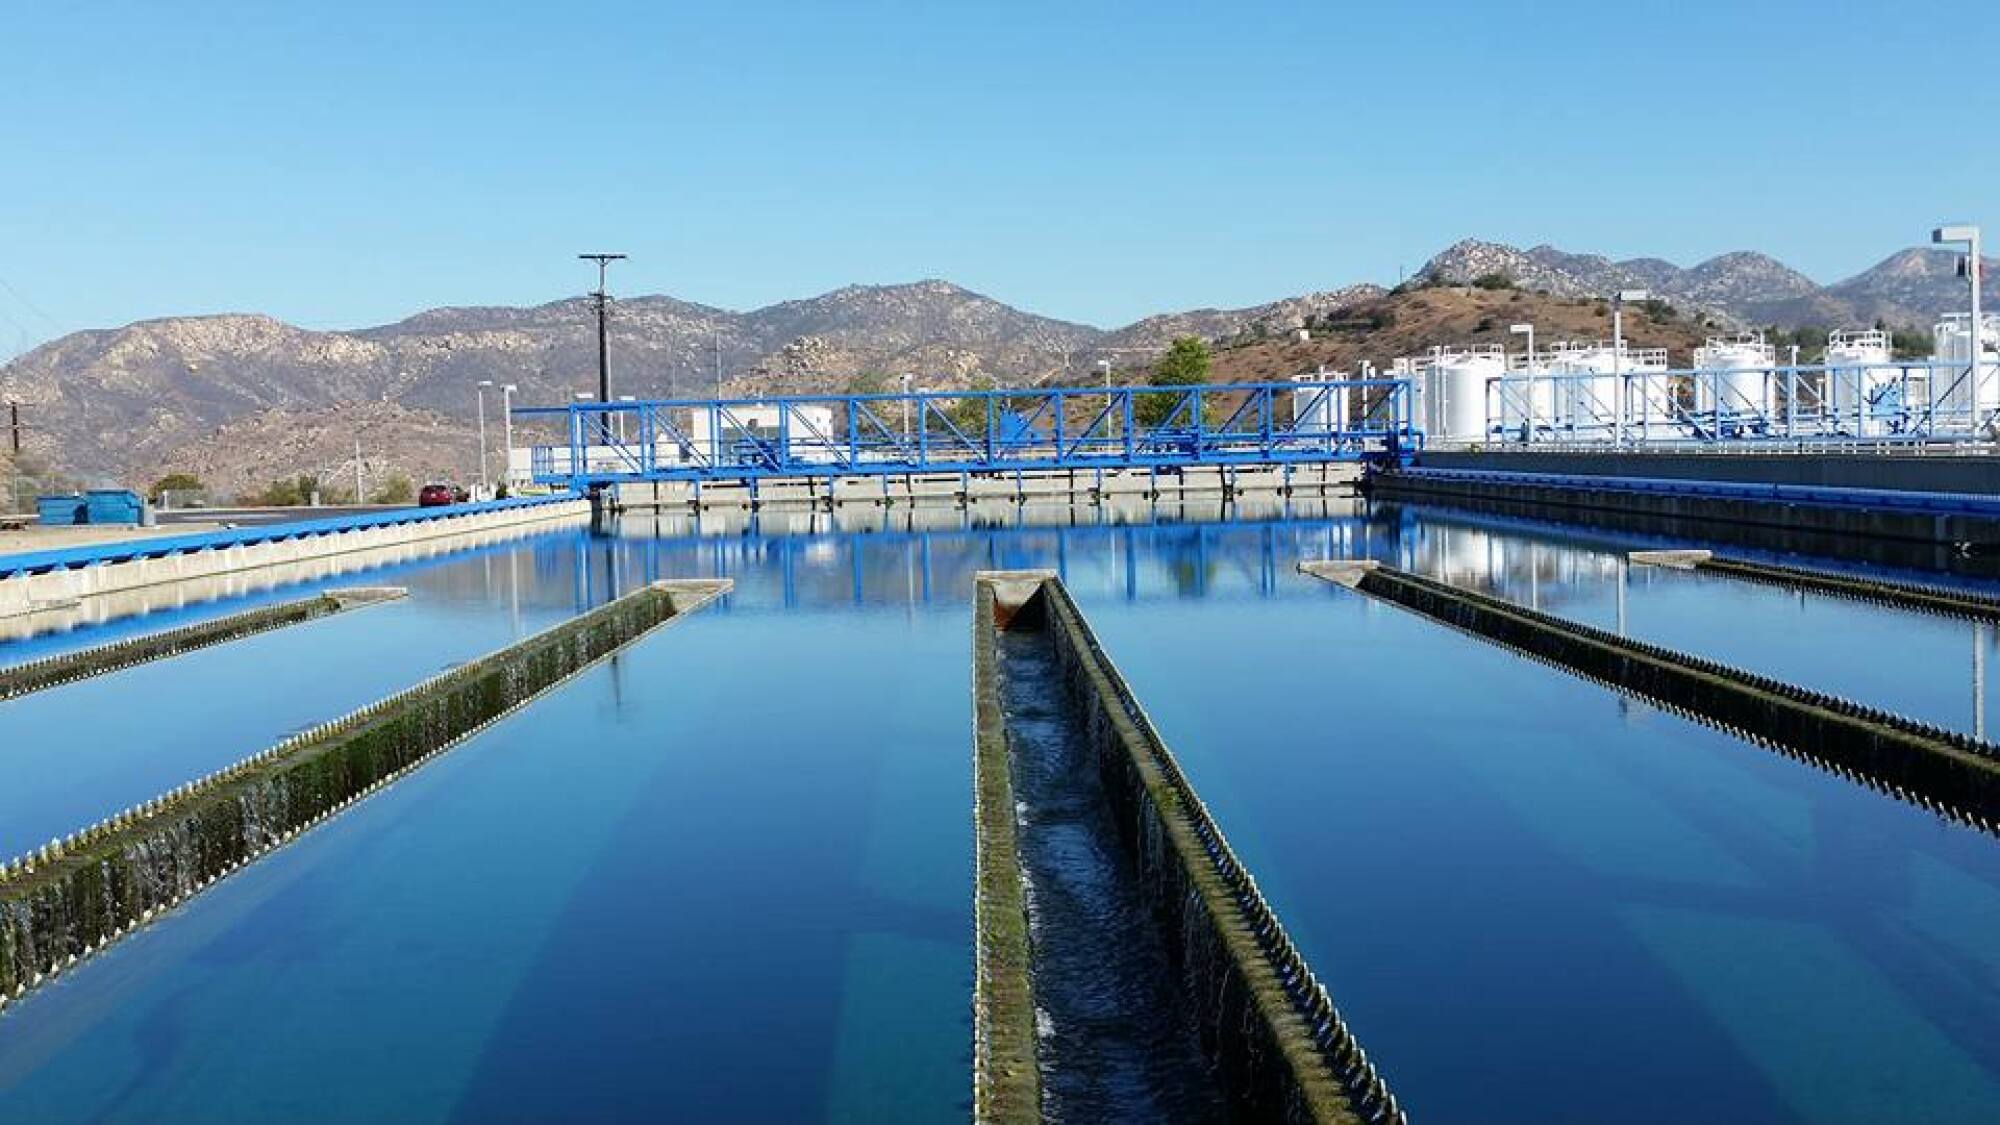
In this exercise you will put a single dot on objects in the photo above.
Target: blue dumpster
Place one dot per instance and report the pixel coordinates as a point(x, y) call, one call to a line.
point(113, 505)
point(61, 510)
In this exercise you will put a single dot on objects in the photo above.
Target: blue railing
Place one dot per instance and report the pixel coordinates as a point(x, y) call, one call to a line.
point(37, 562)
point(963, 432)
point(1899, 402)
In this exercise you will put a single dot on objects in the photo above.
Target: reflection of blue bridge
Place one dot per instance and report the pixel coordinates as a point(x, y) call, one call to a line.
point(976, 432)
point(927, 565)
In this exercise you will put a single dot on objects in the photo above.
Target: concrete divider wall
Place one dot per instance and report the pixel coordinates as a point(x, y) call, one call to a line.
point(69, 667)
point(1006, 1077)
point(1890, 538)
point(1281, 1050)
point(73, 897)
point(24, 592)
point(1944, 771)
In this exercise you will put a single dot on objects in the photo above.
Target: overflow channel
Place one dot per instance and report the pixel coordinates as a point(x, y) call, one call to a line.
point(68, 667)
point(1104, 885)
point(73, 897)
point(1947, 772)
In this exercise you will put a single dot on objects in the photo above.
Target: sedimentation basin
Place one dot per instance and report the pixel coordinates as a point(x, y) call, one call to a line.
point(727, 874)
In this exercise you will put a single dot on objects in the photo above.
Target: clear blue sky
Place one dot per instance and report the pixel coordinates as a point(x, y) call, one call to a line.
point(353, 163)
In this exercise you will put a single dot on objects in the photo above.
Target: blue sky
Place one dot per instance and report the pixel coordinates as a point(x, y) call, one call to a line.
point(344, 165)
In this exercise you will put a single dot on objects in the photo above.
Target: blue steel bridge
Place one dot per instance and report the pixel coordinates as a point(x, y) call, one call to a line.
point(976, 432)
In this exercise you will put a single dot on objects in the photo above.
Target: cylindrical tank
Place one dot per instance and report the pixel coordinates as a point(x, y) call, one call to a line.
point(1590, 395)
point(1523, 406)
point(1860, 382)
point(1319, 406)
point(1958, 395)
point(1734, 375)
point(1455, 393)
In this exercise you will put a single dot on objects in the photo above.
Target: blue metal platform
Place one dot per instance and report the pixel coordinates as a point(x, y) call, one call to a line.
point(976, 432)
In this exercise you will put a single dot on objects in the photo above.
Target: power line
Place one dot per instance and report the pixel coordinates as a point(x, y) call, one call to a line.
point(30, 305)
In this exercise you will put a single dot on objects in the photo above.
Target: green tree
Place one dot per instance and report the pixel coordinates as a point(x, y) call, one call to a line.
point(1494, 280)
point(969, 414)
point(1186, 364)
point(869, 383)
point(174, 482)
point(287, 493)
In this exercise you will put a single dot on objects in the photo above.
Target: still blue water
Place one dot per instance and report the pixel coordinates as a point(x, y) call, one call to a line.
point(727, 876)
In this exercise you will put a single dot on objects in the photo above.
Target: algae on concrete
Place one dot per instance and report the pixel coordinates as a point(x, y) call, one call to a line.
point(73, 897)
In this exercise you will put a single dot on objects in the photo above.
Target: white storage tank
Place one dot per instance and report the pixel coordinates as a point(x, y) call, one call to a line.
point(1590, 384)
point(1455, 390)
point(1524, 406)
point(1734, 373)
point(1955, 397)
point(1860, 379)
point(1319, 406)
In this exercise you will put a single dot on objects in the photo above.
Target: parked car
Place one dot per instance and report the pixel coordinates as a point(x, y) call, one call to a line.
point(438, 496)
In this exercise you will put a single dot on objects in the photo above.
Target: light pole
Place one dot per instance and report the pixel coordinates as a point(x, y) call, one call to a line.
point(1619, 395)
point(906, 407)
point(599, 300)
point(1967, 235)
point(1111, 416)
point(507, 429)
point(485, 470)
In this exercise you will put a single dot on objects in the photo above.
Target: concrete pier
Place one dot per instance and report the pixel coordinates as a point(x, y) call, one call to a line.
point(1951, 774)
point(1276, 1046)
point(1910, 596)
point(72, 898)
point(69, 667)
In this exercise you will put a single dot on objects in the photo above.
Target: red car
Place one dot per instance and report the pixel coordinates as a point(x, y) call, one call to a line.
point(437, 496)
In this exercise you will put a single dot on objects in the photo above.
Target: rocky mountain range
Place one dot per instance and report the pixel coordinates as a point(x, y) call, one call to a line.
point(114, 403)
point(241, 396)
point(1910, 288)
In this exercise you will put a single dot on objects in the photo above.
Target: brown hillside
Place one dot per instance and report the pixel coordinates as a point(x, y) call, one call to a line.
point(1411, 323)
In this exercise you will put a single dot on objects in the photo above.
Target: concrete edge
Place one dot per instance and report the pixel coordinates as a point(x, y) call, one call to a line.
point(1344, 572)
point(74, 897)
point(1671, 559)
point(69, 667)
point(1331, 1077)
point(1006, 1074)
point(1942, 771)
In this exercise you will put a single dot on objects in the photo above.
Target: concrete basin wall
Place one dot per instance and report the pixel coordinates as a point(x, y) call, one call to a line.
point(1280, 1050)
point(27, 592)
point(70, 899)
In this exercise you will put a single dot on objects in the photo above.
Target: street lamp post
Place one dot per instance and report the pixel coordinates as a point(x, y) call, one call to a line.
point(906, 407)
point(1619, 391)
point(1111, 416)
point(1967, 235)
point(507, 427)
point(485, 470)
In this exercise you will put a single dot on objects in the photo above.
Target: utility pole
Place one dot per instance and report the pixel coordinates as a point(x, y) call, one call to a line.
point(14, 425)
point(358, 494)
point(715, 337)
point(599, 300)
